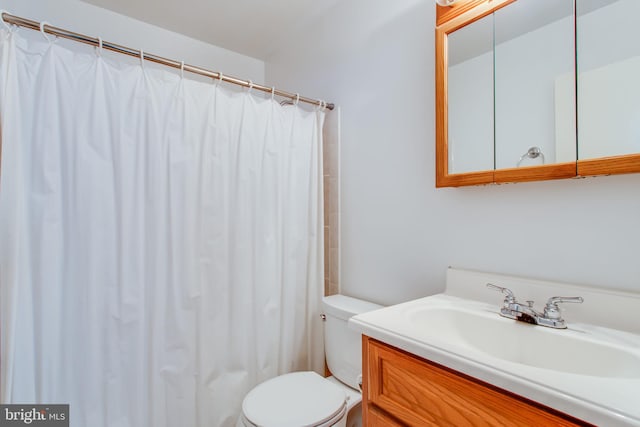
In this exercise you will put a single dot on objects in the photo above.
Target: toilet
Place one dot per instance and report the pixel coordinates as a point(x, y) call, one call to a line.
point(306, 399)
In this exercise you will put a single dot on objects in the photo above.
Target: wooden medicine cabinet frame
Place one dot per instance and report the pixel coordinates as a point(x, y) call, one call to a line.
point(450, 19)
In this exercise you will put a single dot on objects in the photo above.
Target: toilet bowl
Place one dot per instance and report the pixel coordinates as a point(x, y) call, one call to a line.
point(306, 399)
point(297, 399)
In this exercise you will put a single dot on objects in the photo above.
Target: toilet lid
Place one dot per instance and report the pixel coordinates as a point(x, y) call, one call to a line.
point(300, 399)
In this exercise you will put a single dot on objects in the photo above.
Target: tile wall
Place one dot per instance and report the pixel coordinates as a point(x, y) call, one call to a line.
point(331, 172)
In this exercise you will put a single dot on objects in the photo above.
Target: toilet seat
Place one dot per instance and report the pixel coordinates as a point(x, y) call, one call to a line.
point(299, 399)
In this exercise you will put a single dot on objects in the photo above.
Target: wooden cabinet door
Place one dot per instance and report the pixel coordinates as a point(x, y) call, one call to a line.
point(408, 390)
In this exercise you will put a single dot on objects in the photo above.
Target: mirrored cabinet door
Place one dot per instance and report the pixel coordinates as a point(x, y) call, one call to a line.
point(465, 131)
point(608, 58)
point(470, 96)
point(534, 58)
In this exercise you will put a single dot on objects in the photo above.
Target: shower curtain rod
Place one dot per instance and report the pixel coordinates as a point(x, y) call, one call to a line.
point(66, 34)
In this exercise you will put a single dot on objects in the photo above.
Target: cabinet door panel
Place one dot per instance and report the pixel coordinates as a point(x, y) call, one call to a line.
point(420, 393)
point(608, 59)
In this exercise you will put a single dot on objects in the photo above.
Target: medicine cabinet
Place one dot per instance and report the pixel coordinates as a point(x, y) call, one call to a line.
point(532, 90)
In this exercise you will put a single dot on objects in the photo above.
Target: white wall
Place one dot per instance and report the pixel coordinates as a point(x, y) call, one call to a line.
point(375, 58)
point(94, 21)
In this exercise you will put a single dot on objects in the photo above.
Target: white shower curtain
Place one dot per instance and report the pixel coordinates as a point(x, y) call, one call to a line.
point(160, 238)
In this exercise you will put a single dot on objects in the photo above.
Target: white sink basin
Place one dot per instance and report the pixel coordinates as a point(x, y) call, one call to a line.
point(517, 342)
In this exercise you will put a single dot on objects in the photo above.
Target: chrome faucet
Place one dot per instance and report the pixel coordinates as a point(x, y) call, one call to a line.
point(550, 317)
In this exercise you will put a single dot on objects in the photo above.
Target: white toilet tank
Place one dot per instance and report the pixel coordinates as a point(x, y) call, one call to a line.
point(342, 346)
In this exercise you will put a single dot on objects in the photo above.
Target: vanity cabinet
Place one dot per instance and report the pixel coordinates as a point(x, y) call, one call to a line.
point(402, 389)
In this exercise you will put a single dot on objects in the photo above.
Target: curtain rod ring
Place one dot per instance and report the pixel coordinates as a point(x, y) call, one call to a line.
point(220, 77)
point(99, 47)
point(273, 92)
point(182, 69)
point(44, 34)
point(250, 85)
point(142, 58)
point(297, 99)
point(6, 25)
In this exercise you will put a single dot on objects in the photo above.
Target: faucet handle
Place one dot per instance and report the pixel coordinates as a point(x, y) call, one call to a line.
point(556, 300)
point(552, 311)
point(509, 297)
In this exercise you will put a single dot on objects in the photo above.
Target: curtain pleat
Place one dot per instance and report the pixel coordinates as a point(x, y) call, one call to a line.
point(160, 239)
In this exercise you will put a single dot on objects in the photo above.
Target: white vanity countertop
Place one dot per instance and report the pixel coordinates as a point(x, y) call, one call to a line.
point(601, 399)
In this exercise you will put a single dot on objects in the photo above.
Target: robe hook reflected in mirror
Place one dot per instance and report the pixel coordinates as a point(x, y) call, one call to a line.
point(532, 153)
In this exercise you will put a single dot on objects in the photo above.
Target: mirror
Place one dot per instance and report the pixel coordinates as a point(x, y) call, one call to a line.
point(506, 90)
point(608, 65)
point(470, 95)
point(534, 75)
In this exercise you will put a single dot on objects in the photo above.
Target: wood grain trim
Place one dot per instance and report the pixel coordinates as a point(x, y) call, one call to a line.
point(366, 398)
point(447, 13)
point(421, 393)
point(377, 418)
point(463, 179)
point(478, 10)
point(629, 163)
point(442, 126)
point(536, 173)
